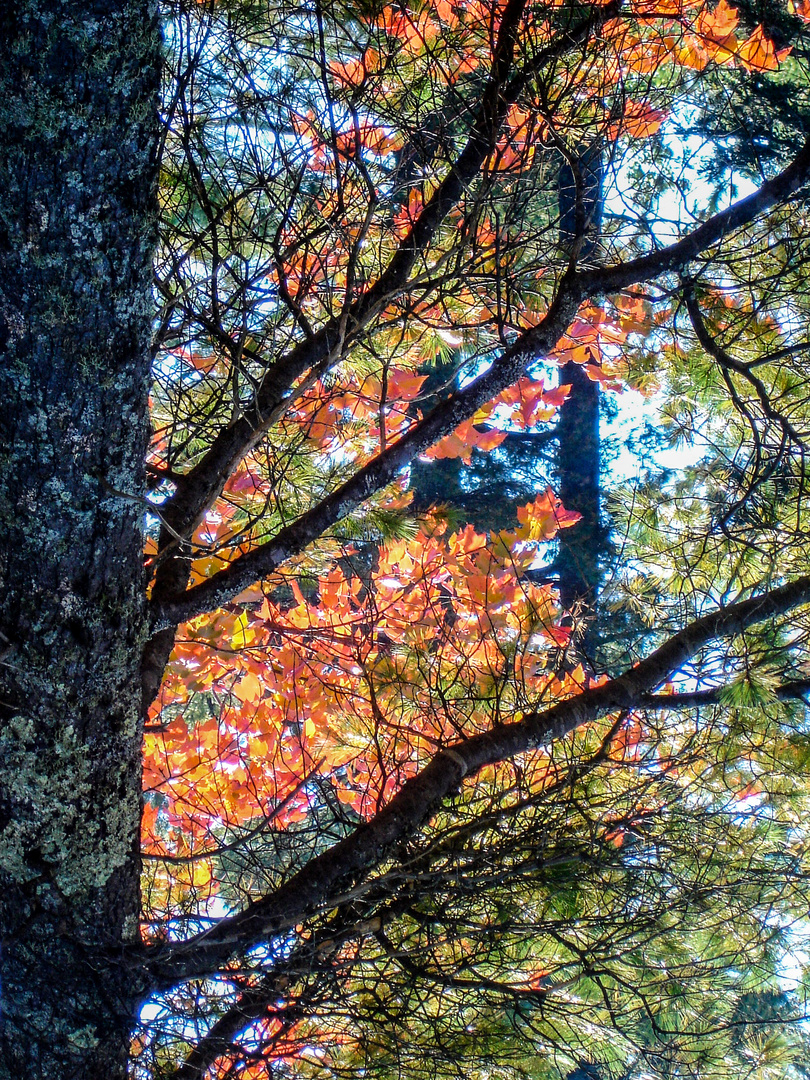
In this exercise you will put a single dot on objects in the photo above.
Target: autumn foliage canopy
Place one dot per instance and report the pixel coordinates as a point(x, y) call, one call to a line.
point(393, 805)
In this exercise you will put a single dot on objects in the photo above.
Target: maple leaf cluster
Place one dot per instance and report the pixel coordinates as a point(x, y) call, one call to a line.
point(361, 677)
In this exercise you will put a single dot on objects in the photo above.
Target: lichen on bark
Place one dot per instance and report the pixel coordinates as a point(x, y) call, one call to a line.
point(78, 132)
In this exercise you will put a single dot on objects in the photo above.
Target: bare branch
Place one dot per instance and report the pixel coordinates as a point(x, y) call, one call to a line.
point(534, 342)
point(678, 255)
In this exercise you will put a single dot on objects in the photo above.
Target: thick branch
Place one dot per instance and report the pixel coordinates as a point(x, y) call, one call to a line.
point(534, 342)
point(199, 487)
point(352, 858)
point(506, 370)
point(679, 255)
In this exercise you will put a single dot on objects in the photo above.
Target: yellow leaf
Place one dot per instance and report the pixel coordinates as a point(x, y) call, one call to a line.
point(243, 634)
point(249, 688)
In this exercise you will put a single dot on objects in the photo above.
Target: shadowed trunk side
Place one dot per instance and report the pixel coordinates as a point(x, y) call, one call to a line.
point(581, 203)
point(78, 126)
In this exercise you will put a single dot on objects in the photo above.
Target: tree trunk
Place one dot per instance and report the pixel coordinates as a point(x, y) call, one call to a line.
point(578, 471)
point(78, 127)
point(581, 203)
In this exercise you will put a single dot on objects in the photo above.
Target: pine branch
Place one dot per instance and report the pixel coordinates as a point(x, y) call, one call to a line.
point(677, 256)
point(348, 862)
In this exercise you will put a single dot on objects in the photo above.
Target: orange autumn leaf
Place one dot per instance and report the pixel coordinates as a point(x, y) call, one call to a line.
point(463, 440)
point(639, 121)
point(758, 53)
point(596, 373)
point(543, 518)
point(248, 688)
point(529, 402)
point(372, 137)
point(635, 313)
point(687, 52)
point(354, 72)
point(400, 385)
point(719, 23)
point(204, 362)
point(405, 218)
point(413, 30)
point(660, 9)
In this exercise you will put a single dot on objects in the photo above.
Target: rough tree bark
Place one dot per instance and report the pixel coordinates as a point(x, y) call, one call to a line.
point(78, 127)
